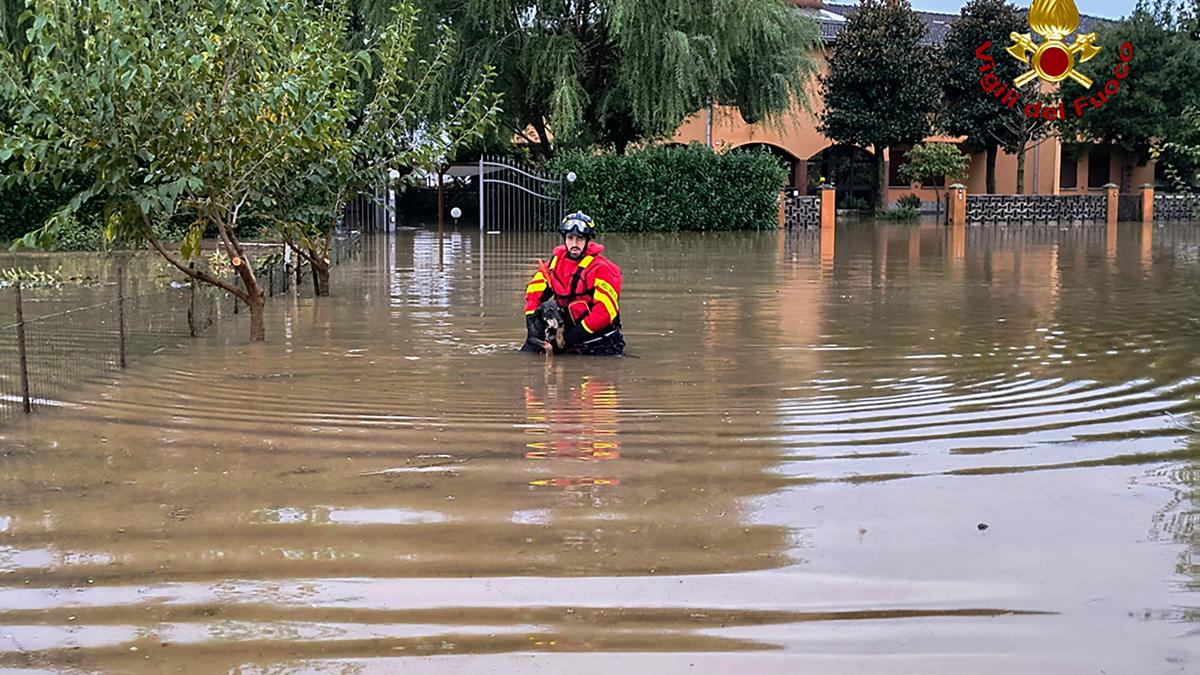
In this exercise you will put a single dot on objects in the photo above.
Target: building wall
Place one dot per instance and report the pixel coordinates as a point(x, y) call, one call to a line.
point(796, 134)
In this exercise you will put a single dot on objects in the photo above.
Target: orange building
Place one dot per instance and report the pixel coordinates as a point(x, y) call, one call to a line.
point(1049, 168)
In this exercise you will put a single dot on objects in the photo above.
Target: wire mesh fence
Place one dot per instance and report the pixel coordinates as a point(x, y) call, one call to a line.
point(44, 355)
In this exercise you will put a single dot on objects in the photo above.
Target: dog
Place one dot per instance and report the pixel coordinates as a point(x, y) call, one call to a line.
point(549, 322)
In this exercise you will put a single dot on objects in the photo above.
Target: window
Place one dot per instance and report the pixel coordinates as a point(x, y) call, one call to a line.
point(1068, 176)
point(1098, 165)
point(937, 182)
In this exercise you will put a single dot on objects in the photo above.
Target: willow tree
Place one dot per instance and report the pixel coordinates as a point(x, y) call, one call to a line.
point(613, 72)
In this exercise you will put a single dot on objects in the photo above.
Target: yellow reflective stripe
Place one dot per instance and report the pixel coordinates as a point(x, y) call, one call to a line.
point(536, 287)
point(537, 276)
point(553, 261)
point(530, 312)
point(607, 288)
point(587, 260)
point(608, 304)
point(583, 322)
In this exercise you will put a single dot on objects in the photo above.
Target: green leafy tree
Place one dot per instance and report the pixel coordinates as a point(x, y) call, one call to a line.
point(1018, 132)
point(968, 111)
point(881, 89)
point(1150, 104)
point(411, 112)
point(1180, 158)
point(930, 161)
point(194, 110)
point(614, 72)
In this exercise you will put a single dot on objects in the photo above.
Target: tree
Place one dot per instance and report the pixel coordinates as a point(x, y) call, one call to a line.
point(1018, 131)
point(1151, 101)
point(615, 72)
point(1180, 157)
point(209, 111)
point(410, 112)
point(931, 161)
point(967, 111)
point(881, 89)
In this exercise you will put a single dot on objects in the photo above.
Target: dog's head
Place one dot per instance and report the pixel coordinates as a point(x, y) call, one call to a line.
point(548, 318)
point(552, 314)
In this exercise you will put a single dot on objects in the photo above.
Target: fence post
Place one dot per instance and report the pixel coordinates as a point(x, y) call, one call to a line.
point(828, 205)
point(271, 281)
point(121, 314)
point(957, 210)
point(1111, 197)
point(1147, 203)
point(782, 209)
point(191, 301)
point(22, 356)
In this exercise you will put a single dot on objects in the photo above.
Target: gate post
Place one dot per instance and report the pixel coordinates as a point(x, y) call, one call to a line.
point(1147, 203)
point(481, 193)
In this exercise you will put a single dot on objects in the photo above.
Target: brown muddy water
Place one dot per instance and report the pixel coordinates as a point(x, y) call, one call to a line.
point(905, 450)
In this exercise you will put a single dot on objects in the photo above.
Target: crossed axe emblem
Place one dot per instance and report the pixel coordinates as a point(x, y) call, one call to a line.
point(1053, 60)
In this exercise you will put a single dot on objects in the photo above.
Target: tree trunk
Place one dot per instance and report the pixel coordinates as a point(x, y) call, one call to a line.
point(255, 297)
point(992, 150)
point(543, 139)
point(257, 305)
point(1021, 170)
point(323, 279)
point(320, 275)
point(878, 187)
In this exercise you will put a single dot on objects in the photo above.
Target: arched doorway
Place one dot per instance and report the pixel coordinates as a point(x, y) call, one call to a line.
point(790, 162)
point(849, 168)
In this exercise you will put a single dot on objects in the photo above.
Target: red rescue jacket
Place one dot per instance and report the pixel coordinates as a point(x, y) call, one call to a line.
point(589, 289)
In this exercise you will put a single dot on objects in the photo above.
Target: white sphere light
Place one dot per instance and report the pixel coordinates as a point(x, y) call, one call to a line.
point(456, 212)
point(571, 176)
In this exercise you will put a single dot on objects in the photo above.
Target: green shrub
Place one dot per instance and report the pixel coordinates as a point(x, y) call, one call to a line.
point(854, 204)
point(672, 188)
point(899, 213)
point(909, 201)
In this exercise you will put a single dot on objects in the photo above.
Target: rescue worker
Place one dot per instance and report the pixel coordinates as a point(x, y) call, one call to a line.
point(586, 286)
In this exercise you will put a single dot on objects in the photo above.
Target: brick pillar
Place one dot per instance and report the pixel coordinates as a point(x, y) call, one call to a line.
point(1111, 196)
point(828, 205)
point(957, 210)
point(782, 209)
point(1147, 203)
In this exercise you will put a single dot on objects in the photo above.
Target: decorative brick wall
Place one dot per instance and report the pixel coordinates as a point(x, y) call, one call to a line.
point(1036, 208)
point(801, 210)
point(1176, 207)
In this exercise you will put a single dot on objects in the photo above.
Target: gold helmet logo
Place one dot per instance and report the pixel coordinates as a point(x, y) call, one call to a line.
point(1053, 60)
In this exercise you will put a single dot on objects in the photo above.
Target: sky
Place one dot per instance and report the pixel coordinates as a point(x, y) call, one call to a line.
point(1112, 9)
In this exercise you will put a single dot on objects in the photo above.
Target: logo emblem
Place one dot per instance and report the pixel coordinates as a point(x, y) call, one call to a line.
point(1053, 60)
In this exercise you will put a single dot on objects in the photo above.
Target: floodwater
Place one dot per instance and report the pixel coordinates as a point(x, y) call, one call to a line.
point(898, 449)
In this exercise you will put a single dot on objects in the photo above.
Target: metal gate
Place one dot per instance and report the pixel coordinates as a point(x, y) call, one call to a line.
point(1129, 207)
point(517, 198)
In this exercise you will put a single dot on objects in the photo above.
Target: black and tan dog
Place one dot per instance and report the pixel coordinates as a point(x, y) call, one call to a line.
point(548, 324)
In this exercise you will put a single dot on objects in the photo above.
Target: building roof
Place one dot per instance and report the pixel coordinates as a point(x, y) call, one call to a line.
point(937, 23)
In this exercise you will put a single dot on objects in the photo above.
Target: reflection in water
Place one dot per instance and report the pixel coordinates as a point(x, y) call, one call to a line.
point(952, 449)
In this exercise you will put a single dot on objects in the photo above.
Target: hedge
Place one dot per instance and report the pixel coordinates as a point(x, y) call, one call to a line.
point(671, 188)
